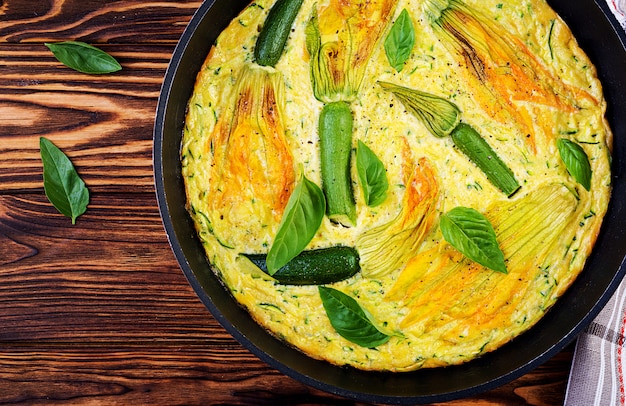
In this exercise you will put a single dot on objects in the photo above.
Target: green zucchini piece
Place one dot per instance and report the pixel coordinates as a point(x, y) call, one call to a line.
point(335, 132)
point(470, 142)
point(275, 32)
point(314, 267)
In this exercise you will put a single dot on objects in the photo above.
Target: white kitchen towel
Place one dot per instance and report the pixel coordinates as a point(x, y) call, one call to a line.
point(599, 365)
point(598, 373)
point(618, 7)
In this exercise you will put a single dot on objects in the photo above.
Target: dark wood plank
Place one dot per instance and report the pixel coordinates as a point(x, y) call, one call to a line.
point(219, 374)
point(104, 123)
point(110, 277)
point(95, 21)
point(155, 376)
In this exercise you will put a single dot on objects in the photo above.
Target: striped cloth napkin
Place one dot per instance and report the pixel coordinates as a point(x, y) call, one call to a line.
point(618, 7)
point(598, 374)
point(599, 365)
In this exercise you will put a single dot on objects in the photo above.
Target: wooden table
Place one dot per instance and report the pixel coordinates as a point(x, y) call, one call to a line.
point(99, 312)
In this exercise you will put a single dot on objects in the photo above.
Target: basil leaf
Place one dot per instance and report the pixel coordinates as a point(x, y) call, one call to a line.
point(63, 187)
point(301, 220)
point(472, 234)
point(400, 40)
point(576, 161)
point(372, 175)
point(83, 57)
point(349, 319)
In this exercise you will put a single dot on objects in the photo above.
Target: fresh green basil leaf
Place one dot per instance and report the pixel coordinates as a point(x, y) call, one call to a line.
point(372, 175)
point(63, 187)
point(472, 234)
point(302, 218)
point(349, 319)
point(83, 57)
point(399, 43)
point(576, 161)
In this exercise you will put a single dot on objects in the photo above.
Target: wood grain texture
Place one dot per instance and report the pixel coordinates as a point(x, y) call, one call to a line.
point(192, 376)
point(95, 21)
point(99, 312)
point(104, 125)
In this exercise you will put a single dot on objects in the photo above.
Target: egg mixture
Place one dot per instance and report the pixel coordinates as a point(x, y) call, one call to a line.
point(517, 78)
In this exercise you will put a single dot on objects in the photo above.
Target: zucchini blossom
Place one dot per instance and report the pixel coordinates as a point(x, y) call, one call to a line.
point(252, 174)
point(445, 291)
point(388, 247)
point(503, 71)
point(340, 38)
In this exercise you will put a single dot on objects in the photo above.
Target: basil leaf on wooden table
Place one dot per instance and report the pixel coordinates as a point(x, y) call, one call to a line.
point(576, 161)
point(301, 220)
point(349, 319)
point(62, 184)
point(83, 57)
point(470, 232)
point(399, 43)
point(372, 175)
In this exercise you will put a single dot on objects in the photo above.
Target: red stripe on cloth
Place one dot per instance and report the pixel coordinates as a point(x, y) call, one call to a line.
point(616, 7)
point(620, 371)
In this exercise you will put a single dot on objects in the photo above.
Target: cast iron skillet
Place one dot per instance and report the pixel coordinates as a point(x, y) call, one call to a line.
point(598, 34)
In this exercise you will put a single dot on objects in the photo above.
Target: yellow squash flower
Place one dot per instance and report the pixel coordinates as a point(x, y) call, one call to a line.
point(252, 173)
point(504, 73)
point(389, 246)
point(340, 38)
point(445, 291)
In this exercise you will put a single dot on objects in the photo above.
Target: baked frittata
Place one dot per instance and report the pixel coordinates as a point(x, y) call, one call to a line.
point(429, 175)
